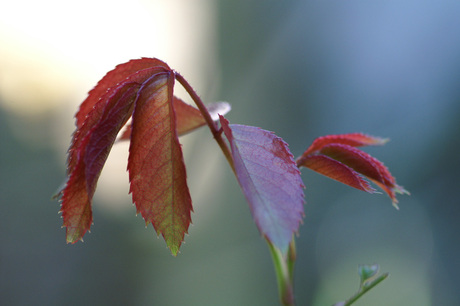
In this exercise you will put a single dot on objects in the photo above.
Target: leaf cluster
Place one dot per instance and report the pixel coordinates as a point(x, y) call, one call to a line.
point(135, 102)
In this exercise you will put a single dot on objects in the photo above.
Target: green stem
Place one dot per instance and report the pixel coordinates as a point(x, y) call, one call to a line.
point(364, 288)
point(284, 274)
point(291, 258)
point(216, 132)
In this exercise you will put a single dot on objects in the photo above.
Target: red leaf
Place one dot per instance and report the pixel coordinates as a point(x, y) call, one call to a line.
point(90, 146)
point(188, 118)
point(89, 158)
point(113, 78)
point(353, 139)
point(335, 156)
point(359, 161)
point(366, 165)
point(270, 180)
point(337, 171)
point(93, 117)
point(156, 167)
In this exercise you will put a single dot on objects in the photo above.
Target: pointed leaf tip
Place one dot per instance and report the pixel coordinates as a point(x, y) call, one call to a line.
point(270, 180)
point(89, 150)
point(156, 167)
point(337, 157)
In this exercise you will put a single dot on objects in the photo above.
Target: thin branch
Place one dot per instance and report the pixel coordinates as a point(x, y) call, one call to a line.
point(216, 132)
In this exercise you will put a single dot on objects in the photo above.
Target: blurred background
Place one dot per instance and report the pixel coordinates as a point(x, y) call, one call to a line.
point(302, 69)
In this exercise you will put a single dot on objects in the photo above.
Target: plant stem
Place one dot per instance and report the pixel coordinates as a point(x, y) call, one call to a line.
point(291, 258)
point(364, 288)
point(217, 133)
point(284, 263)
point(284, 273)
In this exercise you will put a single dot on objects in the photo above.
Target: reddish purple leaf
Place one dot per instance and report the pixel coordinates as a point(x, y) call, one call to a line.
point(91, 155)
point(353, 139)
point(113, 78)
point(188, 118)
point(155, 164)
point(156, 167)
point(270, 180)
point(337, 171)
point(93, 117)
point(337, 157)
point(90, 146)
point(360, 161)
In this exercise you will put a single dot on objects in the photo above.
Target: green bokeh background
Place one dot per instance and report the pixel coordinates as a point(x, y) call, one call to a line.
point(301, 69)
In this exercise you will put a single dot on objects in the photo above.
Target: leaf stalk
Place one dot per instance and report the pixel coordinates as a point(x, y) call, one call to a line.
point(365, 288)
point(284, 270)
point(216, 132)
